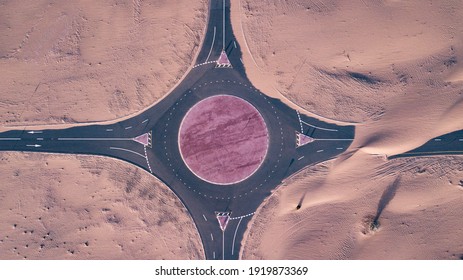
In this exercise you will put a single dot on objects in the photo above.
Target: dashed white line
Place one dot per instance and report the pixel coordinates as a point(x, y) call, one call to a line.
point(109, 129)
point(40, 139)
point(460, 139)
point(129, 127)
point(319, 151)
point(437, 139)
point(300, 158)
point(10, 139)
point(244, 216)
point(234, 42)
point(130, 151)
point(212, 237)
point(300, 121)
point(147, 160)
point(339, 148)
point(213, 255)
point(145, 121)
point(205, 218)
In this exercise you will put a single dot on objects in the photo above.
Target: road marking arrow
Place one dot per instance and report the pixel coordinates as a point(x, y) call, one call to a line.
point(36, 145)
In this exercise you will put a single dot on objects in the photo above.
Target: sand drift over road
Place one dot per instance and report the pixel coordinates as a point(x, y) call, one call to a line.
point(223, 139)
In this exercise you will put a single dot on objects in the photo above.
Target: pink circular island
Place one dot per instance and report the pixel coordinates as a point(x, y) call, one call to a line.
point(223, 139)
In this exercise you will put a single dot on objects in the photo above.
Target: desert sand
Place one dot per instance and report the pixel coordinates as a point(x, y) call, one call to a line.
point(416, 202)
point(89, 61)
point(87, 207)
point(73, 63)
point(394, 69)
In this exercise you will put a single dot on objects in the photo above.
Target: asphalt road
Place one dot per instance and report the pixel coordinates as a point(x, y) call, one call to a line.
point(163, 160)
point(448, 144)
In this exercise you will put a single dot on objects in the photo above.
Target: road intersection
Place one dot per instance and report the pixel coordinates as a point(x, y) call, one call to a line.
point(150, 141)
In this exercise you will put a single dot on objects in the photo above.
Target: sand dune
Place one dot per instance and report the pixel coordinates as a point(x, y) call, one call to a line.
point(85, 207)
point(415, 219)
point(349, 60)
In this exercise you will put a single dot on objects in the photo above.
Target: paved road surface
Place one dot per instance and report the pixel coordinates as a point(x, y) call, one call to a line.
point(448, 144)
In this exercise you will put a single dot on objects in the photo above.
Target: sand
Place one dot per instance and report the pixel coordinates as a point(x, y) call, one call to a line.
point(394, 69)
point(86, 207)
point(68, 63)
point(416, 202)
point(349, 60)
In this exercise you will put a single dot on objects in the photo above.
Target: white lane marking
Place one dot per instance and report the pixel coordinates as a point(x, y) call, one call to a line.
point(319, 151)
point(204, 63)
point(32, 132)
point(212, 237)
point(129, 127)
point(437, 139)
point(145, 121)
point(223, 20)
point(460, 139)
point(109, 129)
point(212, 46)
point(213, 255)
point(234, 42)
point(300, 158)
point(147, 160)
point(10, 139)
point(94, 139)
point(300, 121)
point(40, 139)
point(234, 236)
point(314, 126)
point(130, 151)
point(223, 237)
point(334, 139)
point(339, 148)
point(205, 218)
point(244, 216)
point(35, 145)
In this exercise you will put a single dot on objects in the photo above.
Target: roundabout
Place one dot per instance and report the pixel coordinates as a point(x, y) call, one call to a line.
point(229, 140)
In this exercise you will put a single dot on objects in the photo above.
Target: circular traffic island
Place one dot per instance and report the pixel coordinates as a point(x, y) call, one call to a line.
point(223, 139)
